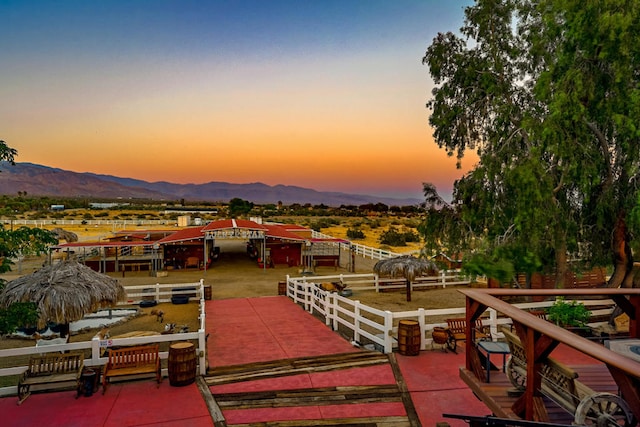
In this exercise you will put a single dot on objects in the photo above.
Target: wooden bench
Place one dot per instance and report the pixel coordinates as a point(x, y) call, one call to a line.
point(560, 383)
point(458, 328)
point(132, 361)
point(51, 369)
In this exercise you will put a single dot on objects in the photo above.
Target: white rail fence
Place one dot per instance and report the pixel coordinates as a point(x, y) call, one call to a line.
point(364, 324)
point(97, 345)
point(371, 281)
point(356, 248)
point(112, 222)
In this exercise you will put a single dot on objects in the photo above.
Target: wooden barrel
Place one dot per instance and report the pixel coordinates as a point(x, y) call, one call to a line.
point(207, 292)
point(409, 337)
point(282, 288)
point(182, 364)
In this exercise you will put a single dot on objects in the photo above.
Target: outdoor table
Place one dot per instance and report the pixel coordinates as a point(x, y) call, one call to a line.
point(629, 347)
point(497, 347)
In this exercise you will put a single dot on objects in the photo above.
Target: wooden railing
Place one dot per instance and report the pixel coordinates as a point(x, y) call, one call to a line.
point(97, 345)
point(540, 337)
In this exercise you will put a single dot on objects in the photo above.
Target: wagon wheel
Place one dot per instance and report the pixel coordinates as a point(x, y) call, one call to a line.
point(516, 375)
point(604, 409)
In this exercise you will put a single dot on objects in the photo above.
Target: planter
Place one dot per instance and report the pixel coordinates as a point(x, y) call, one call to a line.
point(583, 331)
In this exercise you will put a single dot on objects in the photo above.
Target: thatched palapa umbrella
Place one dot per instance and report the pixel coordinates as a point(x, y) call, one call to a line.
point(63, 292)
point(405, 266)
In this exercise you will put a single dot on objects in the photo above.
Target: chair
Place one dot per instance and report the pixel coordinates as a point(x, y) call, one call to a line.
point(458, 328)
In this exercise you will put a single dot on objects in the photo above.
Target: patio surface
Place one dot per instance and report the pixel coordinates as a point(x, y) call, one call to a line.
point(248, 330)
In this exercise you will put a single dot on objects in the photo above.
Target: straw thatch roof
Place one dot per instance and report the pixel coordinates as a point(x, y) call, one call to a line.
point(405, 266)
point(63, 292)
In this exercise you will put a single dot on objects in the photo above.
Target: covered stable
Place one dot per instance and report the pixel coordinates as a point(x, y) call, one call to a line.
point(195, 247)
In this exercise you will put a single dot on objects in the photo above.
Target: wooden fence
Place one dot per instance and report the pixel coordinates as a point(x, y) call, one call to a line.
point(97, 345)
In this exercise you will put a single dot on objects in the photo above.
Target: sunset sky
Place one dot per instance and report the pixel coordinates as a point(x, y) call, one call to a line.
point(323, 94)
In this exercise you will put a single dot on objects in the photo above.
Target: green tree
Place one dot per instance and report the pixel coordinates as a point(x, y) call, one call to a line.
point(239, 207)
point(7, 154)
point(547, 93)
point(15, 244)
point(26, 241)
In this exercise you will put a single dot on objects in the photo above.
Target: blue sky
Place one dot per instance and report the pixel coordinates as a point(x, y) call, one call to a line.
point(328, 95)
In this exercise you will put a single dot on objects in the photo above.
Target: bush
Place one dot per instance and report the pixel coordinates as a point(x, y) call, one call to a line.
point(355, 234)
point(411, 236)
point(392, 237)
point(564, 313)
point(324, 223)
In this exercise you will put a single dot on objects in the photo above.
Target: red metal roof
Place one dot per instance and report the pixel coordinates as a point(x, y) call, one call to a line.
point(275, 231)
point(279, 232)
point(183, 235)
point(233, 223)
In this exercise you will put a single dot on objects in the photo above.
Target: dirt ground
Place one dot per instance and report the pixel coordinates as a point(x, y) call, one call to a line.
point(234, 275)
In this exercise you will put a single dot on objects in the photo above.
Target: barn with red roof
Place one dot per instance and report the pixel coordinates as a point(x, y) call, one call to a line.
point(195, 247)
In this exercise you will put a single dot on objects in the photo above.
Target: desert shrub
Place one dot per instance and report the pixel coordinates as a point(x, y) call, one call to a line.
point(355, 234)
point(324, 223)
point(393, 237)
point(411, 236)
point(375, 224)
point(411, 223)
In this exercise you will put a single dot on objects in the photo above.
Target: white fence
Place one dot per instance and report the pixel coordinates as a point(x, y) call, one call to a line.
point(112, 222)
point(380, 327)
point(97, 345)
point(358, 249)
point(370, 281)
point(162, 293)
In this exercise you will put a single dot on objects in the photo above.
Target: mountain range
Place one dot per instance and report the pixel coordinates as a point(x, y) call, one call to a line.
point(39, 180)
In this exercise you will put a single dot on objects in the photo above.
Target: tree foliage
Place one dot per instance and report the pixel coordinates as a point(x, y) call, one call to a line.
point(16, 244)
point(547, 93)
point(239, 207)
point(7, 154)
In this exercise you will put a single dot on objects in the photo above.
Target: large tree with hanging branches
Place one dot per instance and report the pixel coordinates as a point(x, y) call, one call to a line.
point(547, 92)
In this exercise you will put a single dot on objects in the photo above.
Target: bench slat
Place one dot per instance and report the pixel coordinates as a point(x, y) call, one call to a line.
point(50, 379)
point(132, 361)
point(50, 369)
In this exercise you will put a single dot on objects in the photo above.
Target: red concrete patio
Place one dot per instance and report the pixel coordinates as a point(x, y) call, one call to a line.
point(253, 330)
point(259, 329)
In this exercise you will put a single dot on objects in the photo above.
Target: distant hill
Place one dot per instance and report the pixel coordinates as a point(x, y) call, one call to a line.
point(38, 180)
